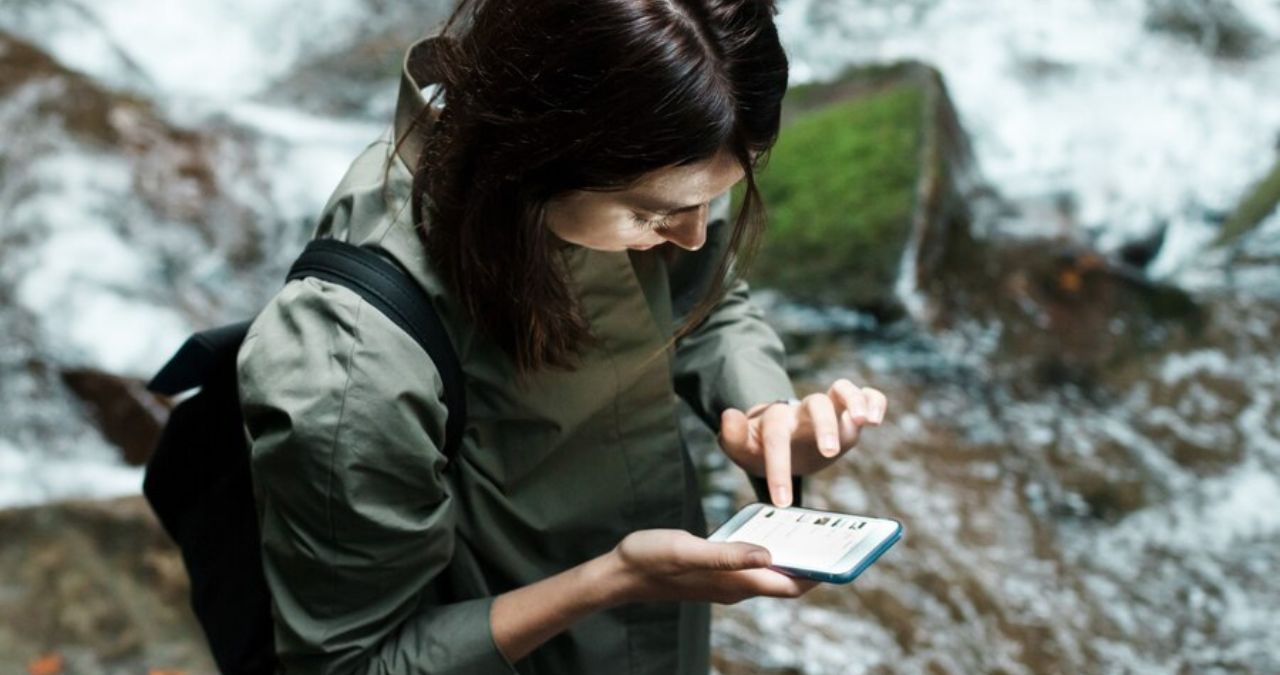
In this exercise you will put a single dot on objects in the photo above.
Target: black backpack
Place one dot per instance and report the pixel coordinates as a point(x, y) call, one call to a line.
point(197, 479)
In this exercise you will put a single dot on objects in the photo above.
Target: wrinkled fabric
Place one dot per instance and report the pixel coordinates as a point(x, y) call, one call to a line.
point(383, 557)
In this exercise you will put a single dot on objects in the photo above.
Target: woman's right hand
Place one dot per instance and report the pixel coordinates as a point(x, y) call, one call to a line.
point(672, 564)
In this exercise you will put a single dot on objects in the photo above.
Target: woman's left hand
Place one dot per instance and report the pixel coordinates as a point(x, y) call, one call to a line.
point(778, 439)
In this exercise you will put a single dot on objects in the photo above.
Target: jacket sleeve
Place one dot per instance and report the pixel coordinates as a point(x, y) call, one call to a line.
point(345, 417)
point(734, 358)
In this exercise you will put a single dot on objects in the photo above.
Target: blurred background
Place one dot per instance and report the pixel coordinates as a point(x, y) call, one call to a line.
point(1047, 230)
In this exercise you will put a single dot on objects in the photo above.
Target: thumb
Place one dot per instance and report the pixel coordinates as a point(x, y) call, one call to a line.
point(727, 556)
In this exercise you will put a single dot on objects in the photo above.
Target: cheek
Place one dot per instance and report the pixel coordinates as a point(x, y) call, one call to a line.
point(579, 221)
point(612, 225)
point(600, 227)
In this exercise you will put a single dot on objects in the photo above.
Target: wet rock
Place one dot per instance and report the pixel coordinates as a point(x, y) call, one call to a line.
point(356, 74)
point(99, 583)
point(60, 95)
point(1217, 26)
point(1064, 312)
point(1138, 253)
point(189, 191)
point(181, 175)
point(1041, 68)
point(128, 415)
point(867, 185)
point(354, 80)
point(1106, 483)
point(46, 22)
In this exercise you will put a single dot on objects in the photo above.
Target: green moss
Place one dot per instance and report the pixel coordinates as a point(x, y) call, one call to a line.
point(1261, 201)
point(839, 189)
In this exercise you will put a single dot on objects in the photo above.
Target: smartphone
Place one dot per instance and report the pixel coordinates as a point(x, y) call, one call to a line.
point(821, 545)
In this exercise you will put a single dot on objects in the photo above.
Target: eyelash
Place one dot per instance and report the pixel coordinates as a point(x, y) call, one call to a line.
point(657, 224)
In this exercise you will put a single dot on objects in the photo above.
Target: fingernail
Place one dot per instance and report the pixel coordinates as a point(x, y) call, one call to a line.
point(830, 445)
point(784, 495)
point(759, 558)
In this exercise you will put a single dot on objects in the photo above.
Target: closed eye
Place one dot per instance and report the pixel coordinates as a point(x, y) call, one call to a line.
point(656, 224)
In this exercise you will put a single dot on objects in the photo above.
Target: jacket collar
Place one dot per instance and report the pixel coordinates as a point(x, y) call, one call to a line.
point(417, 70)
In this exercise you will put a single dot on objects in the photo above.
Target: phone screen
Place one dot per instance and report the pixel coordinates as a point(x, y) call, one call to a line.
point(802, 539)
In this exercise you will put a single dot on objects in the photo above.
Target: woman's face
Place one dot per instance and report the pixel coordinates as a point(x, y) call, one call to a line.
point(668, 204)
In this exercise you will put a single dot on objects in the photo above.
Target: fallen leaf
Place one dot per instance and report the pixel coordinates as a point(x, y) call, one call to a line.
point(1069, 280)
point(49, 664)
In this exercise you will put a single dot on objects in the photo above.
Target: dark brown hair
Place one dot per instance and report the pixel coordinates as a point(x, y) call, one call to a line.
point(547, 96)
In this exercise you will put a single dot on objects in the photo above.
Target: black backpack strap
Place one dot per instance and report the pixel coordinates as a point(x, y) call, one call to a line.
point(196, 359)
point(384, 283)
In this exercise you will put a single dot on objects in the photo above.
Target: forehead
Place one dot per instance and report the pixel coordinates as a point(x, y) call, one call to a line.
point(690, 183)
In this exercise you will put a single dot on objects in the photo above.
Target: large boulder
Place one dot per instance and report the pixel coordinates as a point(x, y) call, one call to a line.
point(868, 179)
point(1060, 311)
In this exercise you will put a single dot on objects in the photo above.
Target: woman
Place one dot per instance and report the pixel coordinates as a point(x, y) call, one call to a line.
point(567, 536)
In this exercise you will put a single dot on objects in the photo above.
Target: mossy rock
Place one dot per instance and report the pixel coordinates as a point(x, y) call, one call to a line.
point(1260, 202)
point(862, 187)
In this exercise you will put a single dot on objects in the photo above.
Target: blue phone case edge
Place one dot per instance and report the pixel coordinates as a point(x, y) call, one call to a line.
point(853, 574)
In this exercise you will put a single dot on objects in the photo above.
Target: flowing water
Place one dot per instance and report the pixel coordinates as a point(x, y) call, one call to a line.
point(1129, 522)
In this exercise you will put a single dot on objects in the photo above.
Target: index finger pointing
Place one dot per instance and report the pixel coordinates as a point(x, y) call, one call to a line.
point(777, 426)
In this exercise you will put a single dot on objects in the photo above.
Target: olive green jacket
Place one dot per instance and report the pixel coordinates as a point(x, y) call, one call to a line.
point(382, 559)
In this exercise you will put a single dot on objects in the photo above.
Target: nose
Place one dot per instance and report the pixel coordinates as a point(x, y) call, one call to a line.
point(690, 232)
